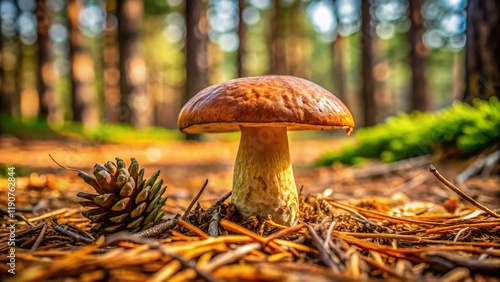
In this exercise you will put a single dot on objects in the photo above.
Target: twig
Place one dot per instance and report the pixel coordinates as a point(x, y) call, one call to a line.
point(460, 226)
point(359, 217)
point(69, 233)
point(156, 244)
point(27, 232)
point(213, 227)
point(62, 166)
point(218, 203)
point(447, 261)
point(27, 242)
point(412, 183)
point(284, 232)
point(231, 256)
point(324, 255)
point(17, 216)
point(491, 160)
point(455, 189)
point(381, 236)
point(195, 199)
point(72, 226)
point(49, 214)
point(379, 215)
point(40, 237)
point(385, 268)
point(481, 163)
point(380, 169)
point(193, 229)
point(159, 228)
point(233, 227)
point(328, 236)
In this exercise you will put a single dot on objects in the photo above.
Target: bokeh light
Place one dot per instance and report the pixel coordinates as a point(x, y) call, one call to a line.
point(175, 29)
point(58, 32)
point(92, 20)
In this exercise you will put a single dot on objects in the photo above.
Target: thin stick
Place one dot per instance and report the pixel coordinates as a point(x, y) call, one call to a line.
point(218, 203)
point(17, 216)
point(460, 226)
point(193, 229)
point(62, 166)
point(70, 234)
point(324, 255)
point(381, 236)
point(236, 228)
point(40, 237)
point(213, 227)
point(156, 244)
point(49, 214)
point(455, 189)
point(284, 232)
point(231, 256)
point(159, 228)
point(195, 199)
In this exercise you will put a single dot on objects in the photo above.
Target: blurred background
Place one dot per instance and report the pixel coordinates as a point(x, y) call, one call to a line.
point(132, 62)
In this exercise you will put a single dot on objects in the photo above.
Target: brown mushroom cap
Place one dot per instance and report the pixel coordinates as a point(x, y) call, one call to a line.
point(274, 100)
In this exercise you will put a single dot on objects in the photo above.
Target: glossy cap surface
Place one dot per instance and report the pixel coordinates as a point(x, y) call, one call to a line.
point(288, 101)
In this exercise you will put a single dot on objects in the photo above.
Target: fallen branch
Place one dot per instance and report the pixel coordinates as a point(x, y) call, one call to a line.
point(459, 192)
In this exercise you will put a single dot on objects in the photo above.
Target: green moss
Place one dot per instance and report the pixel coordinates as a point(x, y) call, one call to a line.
point(470, 128)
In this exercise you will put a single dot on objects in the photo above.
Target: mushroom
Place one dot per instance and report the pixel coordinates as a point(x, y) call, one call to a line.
point(263, 108)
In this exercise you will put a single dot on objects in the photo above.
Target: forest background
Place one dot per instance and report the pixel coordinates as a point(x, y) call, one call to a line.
point(85, 63)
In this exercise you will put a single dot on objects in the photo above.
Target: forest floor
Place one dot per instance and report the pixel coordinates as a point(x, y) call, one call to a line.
point(406, 187)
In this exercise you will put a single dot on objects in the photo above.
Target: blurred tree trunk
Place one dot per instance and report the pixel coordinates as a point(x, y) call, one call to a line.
point(242, 30)
point(84, 102)
point(482, 59)
point(136, 105)
point(196, 52)
point(277, 40)
point(368, 86)
point(4, 101)
point(295, 35)
point(111, 60)
point(420, 99)
point(49, 106)
point(10, 104)
point(338, 70)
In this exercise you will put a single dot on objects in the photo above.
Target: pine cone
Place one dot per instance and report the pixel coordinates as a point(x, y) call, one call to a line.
point(125, 200)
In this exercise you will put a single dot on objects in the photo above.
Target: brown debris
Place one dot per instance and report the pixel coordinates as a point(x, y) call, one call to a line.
point(361, 239)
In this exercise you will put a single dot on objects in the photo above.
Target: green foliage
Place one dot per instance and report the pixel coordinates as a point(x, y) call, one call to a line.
point(120, 133)
point(110, 133)
point(20, 170)
point(470, 128)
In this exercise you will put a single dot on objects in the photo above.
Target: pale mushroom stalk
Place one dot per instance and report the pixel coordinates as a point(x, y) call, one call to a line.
point(263, 181)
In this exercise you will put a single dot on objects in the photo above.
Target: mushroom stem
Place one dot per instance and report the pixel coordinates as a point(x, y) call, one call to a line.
point(263, 182)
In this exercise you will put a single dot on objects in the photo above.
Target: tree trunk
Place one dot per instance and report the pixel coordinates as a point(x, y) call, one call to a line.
point(4, 101)
point(368, 86)
point(338, 70)
point(420, 99)
point(50, 108)
point(196, 52)
point(242, 30)
point(277, 41)
point(84, 96)
point(136, 104)
point(11, 64)
point(295, 37)
point(482, 60)
point(111, 61)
